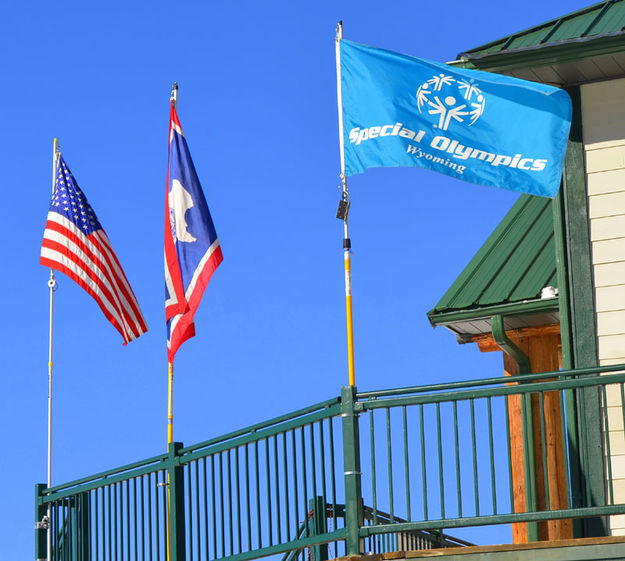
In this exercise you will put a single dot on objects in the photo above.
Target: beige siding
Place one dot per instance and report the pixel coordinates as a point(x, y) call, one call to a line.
point(603, 114)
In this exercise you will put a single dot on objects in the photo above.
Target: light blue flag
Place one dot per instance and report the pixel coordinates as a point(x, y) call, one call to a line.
point(477, 126)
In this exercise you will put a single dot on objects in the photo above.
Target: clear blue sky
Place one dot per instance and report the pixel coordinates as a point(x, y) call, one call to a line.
point(258, 106)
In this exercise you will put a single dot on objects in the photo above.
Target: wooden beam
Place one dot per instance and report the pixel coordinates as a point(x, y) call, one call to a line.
point(487, 344)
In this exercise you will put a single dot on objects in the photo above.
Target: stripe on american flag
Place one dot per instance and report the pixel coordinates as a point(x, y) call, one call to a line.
point(90, 261)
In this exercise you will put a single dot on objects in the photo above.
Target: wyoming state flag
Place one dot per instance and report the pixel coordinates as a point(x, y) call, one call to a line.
point(192, 251)
point(476, 126)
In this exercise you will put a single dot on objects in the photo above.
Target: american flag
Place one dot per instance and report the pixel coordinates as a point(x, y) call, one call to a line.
point(75, 244)
point(192, 250)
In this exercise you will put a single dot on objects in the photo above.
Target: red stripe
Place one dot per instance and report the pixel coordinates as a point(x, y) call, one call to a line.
point(102, 292)
point(70, 273)
point(131, 331)
point(102, 262)
point(102, 244)
point(116, 280)
point(125, 285)
point(108, 292)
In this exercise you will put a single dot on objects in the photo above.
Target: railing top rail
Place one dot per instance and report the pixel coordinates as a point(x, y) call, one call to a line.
point(155, 461)
point(509, 389)
point(263, 425)
point(446, 386)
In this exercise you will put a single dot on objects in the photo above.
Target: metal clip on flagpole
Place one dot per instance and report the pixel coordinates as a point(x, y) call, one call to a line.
point(52, 286)
point(342, 213)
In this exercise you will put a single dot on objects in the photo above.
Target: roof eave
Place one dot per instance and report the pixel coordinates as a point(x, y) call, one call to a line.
point(483, 312)
point(547, 54)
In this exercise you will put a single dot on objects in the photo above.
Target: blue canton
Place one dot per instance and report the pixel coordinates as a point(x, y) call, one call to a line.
point(69, 201)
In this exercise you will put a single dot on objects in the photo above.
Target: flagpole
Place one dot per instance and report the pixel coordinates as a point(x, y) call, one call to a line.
point(342, 214)
point(52, 287)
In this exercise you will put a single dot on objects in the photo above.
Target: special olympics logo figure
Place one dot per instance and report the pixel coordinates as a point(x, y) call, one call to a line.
point(451, 98)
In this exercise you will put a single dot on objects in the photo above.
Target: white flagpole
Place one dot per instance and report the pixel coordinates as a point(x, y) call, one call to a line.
point(342, 214)
point(52, 287)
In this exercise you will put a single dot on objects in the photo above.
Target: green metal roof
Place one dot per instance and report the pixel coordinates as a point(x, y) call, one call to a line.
point(509, 271)
point(603, 19)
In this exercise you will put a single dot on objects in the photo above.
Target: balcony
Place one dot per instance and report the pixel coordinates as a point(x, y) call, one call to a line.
point(367, 473)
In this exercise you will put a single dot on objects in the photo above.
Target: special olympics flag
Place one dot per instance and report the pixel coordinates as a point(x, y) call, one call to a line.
point(75, 243)
point(477, 126)
point(192, 251)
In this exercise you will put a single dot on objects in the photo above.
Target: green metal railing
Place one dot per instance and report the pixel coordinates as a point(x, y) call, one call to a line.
point(366, 472)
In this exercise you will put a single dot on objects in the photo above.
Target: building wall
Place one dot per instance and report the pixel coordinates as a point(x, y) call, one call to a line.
point(603, 118)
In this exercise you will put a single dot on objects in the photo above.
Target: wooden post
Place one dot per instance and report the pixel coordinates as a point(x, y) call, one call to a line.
point(544, 357)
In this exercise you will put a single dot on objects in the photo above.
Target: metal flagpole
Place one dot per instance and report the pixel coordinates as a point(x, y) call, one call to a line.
point(52, 287)
point(170, 405)
point(342, 213)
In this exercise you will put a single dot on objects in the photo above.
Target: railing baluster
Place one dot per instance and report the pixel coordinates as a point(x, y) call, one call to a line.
point(110, 519)
point(406, 462)
point(389, 459)
point(127, 509)
point(304, 480)
point(248, 507)
point(491, 449)
point(439, 440)
point(295, 483)
point(457, 458)
point(543, 439)
point(565, 455)
point(474, 456)
point(285, 469)
point(198, 534)
point(115, 521)
point(277, 489)
point(222, 521)
point(157, 521)
point(230, 508)
point(608, 462)
point(423, 463)
point(528, 459)
point(205, 505)
point(374, 486)
point(313, 460)
point(509, 449)
point(213, 506)
point(322, 463)
point(257, 478)
point(333, 480)
point(189, 506)
point(268, 493)
point(96, 544)
point(142, 517)
point(237, 491)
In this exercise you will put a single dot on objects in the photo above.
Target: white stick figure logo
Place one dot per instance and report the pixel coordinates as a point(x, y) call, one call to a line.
point(179, 202)
point(451, 99)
